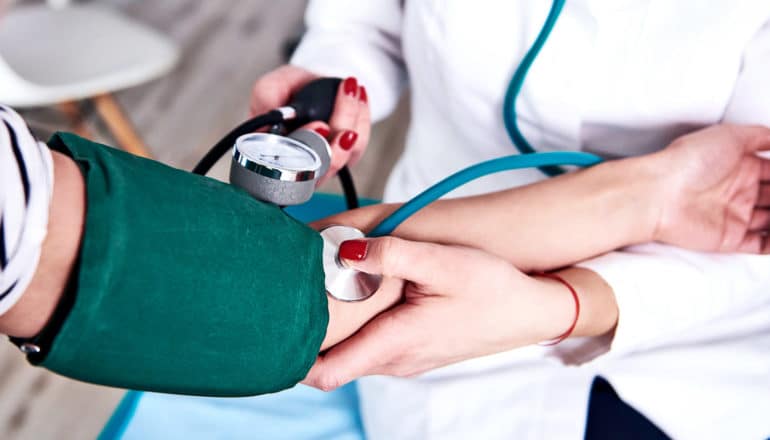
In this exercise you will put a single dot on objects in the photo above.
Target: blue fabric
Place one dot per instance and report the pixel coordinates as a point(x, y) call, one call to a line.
point(298, 413)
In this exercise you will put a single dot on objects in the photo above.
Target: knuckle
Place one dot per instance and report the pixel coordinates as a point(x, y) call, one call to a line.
point(387, 251)
point(339, 160)
point(261, 86)
point(403, 365)
point(328, 383)
point(345, 114)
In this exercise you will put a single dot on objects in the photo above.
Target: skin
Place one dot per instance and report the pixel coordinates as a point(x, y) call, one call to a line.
point(66, 218)
point(707, 193)
point(351, 112)
point(509, 310)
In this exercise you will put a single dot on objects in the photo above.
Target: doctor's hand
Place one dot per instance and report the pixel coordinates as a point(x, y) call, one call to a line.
point(349, 128)
point(718, 190)
point(458, 303)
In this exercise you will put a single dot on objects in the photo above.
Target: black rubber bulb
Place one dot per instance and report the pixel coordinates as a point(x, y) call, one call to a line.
point(315, 101)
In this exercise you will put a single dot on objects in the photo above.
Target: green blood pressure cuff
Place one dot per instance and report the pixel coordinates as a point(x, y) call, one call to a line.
point(186, 285)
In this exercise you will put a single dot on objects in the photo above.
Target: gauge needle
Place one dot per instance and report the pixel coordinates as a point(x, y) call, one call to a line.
point(285, 156)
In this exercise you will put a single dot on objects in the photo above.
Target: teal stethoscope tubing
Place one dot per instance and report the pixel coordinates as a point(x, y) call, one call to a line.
point(546, 162)
point(517, 82)
point(479, 170)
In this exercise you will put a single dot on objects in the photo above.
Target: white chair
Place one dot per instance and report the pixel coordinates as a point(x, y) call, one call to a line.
point(60, 54)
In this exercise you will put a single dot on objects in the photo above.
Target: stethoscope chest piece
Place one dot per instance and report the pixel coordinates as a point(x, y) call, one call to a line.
point(274, 168)
point(344, 283)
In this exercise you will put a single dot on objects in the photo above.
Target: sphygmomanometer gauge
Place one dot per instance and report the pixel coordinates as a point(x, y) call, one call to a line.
point(275, 169)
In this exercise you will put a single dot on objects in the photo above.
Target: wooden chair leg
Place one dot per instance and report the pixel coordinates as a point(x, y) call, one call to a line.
point(71, 111)
point(119, 125)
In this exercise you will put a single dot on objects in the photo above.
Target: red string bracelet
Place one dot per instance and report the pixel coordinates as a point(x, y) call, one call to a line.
point(571, 328)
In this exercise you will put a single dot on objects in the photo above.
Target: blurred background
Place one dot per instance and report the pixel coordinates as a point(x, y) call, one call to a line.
point(165, 78)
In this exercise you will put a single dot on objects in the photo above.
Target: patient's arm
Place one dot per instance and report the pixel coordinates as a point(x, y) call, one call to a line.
point(704, 192)
point(65, 228)
point(545, 225)
point(541, 226)
point(345, 318)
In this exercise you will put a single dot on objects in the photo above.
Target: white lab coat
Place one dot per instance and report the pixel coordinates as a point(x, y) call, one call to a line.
point(618, 77)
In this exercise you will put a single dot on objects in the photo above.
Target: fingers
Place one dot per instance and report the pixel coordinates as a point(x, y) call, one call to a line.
point(754, 137)
point(425, 264)
point(363, 128)
point(350, 124)
point(755, 243)
point(320, 127)
point(763, 199)
point(764, 170)
point(760, 220)
point(274, 89)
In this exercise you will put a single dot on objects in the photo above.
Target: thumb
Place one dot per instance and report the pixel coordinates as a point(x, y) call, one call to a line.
point(754, 137)
point(275, 88)
point(365, 353)
point(418, 262)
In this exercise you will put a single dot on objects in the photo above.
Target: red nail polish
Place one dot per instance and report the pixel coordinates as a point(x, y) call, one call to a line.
point(353, 250)
point(362, 94)
point(323, 131)
point(348, 139)
point(350, 86)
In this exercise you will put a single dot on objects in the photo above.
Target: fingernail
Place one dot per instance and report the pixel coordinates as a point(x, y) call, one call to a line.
point(362, 94)
point(348, 139)
point(323, 131)
point(353, 250)
point(350, 86)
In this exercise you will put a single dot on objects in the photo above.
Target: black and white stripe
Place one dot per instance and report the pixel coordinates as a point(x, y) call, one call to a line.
point(26, 183)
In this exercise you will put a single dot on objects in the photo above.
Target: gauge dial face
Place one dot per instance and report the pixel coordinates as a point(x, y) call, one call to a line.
point(278, 152)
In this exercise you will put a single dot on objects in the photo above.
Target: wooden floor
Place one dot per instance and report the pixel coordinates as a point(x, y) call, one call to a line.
point(226, 45)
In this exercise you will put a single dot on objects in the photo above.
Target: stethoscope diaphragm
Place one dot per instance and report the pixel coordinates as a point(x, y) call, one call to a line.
point(344, 283)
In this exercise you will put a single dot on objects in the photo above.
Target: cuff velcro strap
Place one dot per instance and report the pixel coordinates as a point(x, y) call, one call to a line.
point(185, 284)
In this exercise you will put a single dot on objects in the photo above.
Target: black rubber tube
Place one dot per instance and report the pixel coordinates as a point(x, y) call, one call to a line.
point(274, 117)
point(226, 143)
point(346, 180)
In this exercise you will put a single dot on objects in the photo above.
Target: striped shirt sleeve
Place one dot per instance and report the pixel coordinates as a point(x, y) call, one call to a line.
point(26, 186)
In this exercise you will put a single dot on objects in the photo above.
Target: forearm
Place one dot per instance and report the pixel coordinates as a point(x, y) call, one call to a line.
point(59, 253)
point(553, 223)
point(542, 226)
point(598, 308)
point(345, 318)
point(604, 213)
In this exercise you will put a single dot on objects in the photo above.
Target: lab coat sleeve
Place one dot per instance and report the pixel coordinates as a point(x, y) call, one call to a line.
point(664, 293)
point(750, 102)
point(357, 38)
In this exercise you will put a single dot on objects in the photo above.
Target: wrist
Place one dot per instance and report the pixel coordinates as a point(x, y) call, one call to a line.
point(345, 318)
point(597, 313)
point(657, 189)
point(643, 194)
point(556, 309)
